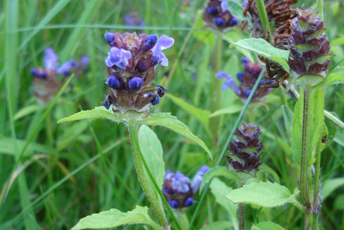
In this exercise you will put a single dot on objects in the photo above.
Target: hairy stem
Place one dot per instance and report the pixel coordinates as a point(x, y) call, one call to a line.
point(241, 216)
point(305, 148)
point(157, 208)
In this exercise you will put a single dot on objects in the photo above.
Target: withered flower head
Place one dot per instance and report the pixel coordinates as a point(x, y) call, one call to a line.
point(217, 15)
point(309, 48)
point(244, 150)
point(131, 64)
point(46, 82)
point(178, 190)
point(247, 80)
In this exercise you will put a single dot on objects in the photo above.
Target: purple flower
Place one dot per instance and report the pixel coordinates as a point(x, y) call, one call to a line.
point(66, 67)
point(164, 42)
point(50, 59)
point(118, 57)
point(244, 3)
point(198, 178)
point(84, 61)
point(229, 83)
point(133, 20)
point(224, 6)
point(180, 183)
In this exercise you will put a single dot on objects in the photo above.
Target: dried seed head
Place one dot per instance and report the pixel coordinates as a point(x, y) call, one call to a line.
point(309, 48)
point(244, 150)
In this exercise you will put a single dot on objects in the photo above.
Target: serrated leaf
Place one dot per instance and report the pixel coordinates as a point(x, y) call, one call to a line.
point(219, 190)
point(171, 122)
point(229, 110)
point(114, 218)
point(97, 112)
point(335, 77)
point(265, 49)
point(330, 185)
point(268, 225)
point(200, 114)
point(218, 171)
point(264, 194)
point(236, 10)
point(153, 154)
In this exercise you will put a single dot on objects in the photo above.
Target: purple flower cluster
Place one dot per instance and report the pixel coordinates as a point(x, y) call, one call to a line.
point(217, 15)
point(131, 64)
point(247, 81)
point(46, 82)
point(178, 189)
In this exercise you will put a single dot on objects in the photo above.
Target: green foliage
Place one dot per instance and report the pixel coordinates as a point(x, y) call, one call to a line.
point(330, 185)
point(265, 49)
point(115, 218)
point(266, 226)
point(335, 77)
point(236, 10)
point(218, 171)
point(264, 194)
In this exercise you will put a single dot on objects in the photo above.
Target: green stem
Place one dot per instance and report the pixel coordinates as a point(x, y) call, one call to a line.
point(305, 148)
point(216, 89)
point(241, 216)
point(264, 17)
point(320, 5)
point(317, 195)
point(157, 208)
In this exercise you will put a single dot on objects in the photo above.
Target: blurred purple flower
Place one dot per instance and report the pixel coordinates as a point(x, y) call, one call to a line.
point(229, 83)
point(118, 57)
point(196, 183)
point(66, 67)
point(50, 59)
point(164, 42)
point(131, 19)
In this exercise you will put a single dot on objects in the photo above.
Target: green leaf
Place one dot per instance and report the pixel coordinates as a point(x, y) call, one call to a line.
point(330, 185)
point(268, 225)
point(331, 128)
point(288, 117)
point(316, 119)
point(114, 218)
point(70, 134)
point(265, 49)
point(220, 190)
point(97, 112)
point(171, 122)
point(152, 152)
point(236, 10)
point(229, 110)
point(265, 168)
point(264, 194)
point(218, 171)
point(27, 110)
point(218, 225)
point(335, 77)
point(200, 114)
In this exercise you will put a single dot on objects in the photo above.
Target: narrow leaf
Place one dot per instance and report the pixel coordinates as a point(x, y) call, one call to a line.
point(98, 112)
point(330, 185)
point(171, 122)
point(152, 152)
point(335, 77)
point(264, 194)
point(114, 218)
point(265, 168)
point(220, 190)
point(218, 171)
point(265, 49)
point(27, 110)
point(230, 110)
point(200, 114)
point(288, 117)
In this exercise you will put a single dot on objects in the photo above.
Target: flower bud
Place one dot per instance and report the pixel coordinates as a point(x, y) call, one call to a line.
point(113, 82)
point(244, 150)
point(135, 82)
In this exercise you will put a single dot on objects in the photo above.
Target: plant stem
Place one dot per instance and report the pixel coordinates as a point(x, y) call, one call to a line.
point(264, 17)
point(216, 89)
point(158, 209)
point(305, 148)
point(241, 216)
point(320, 6)
point(317, 195)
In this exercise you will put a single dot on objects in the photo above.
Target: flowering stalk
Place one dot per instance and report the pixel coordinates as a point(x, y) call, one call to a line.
point(158, 210)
